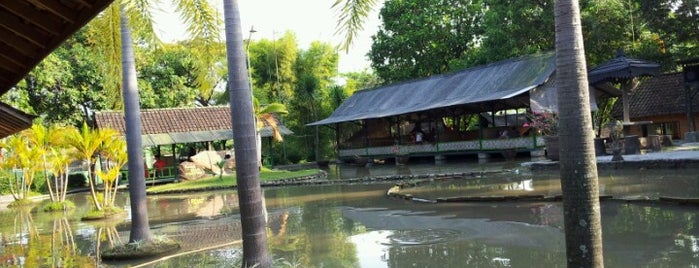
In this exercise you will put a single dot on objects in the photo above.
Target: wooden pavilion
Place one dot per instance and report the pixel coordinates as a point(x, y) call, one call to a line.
point(495, 98)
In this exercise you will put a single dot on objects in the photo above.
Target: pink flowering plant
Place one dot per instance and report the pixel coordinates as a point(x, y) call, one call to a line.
point(545, 123)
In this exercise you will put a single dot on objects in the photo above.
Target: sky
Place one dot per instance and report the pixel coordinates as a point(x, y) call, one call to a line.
point(310, 20)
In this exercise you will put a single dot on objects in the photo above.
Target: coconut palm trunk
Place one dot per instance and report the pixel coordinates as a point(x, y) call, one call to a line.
point(244, 128)
point(583, 230)
point(140, 229)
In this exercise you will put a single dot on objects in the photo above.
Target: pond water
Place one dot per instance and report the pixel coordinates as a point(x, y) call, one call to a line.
point(358, 226)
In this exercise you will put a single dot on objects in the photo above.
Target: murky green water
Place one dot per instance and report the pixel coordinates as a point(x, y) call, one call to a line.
point(358, 226)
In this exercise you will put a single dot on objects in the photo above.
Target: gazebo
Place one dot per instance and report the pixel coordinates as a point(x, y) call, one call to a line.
point(622, 73)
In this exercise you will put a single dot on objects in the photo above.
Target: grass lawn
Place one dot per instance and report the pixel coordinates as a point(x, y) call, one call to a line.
point(228, 181)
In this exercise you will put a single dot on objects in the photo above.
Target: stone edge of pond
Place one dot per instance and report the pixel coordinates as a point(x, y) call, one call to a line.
point(394, 192)
point(632, 164)
point(320, 178)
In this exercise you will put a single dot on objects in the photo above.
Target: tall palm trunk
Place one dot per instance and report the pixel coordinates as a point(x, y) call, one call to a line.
point(140, 230)
point(582, 219)
point(244, 129)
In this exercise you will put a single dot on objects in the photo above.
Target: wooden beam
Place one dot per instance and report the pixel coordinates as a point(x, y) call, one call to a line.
point(20, 46)
point(56, 8)
point(3, 79)
point(23, 29)
point(8, 64)
point(43, 20)
point(84, 3)
point(14, 55)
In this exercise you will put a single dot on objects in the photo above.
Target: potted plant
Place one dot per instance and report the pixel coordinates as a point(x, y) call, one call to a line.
point(546, 125)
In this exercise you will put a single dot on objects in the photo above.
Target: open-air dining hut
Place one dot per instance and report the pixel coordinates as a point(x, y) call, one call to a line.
point(172, 126)
point(382, 122)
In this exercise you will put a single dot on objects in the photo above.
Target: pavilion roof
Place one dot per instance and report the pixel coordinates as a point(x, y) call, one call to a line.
point(179, 125)
point(622, 67)
point(496, 81)
point(660, 95)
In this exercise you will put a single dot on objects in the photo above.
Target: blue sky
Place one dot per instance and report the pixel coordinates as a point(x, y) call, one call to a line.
point(310, 20)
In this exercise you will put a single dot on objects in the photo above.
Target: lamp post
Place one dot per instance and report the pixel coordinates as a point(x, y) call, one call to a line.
point(247, 53)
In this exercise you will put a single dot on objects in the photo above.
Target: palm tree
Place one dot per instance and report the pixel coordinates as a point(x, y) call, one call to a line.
point(87, 144)
point(24, 157)
point(43, 138)
point(203, 25)
point(140, 228)
point(266, 117)
point(352, 15)
point(578, 164)
point(244, 136)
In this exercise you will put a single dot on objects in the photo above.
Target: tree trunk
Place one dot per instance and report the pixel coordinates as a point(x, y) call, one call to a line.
point(582, 219)
point(140, 229)
point(244, 128)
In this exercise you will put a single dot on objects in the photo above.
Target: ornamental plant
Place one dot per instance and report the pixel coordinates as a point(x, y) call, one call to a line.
point(545, 123)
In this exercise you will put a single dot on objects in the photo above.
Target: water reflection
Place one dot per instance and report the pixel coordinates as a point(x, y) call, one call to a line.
point(647, 184)
point(30, 239)
point(358, 226)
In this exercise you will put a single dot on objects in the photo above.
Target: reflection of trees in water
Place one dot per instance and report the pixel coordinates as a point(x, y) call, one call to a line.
point(107, 234)
point(62, 242)
point(658, 236)
point(318, 236)
point(470, 254)
point(25, 246)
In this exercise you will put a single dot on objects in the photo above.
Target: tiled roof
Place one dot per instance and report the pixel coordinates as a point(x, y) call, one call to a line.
point(202, 123)
point(660, 95)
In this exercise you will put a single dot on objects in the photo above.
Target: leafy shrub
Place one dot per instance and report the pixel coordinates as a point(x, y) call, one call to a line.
point(59, 206)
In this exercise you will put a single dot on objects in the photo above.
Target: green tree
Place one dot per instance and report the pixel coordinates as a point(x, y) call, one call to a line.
point(360, 80)
point(421, 38)
point(114, 157)
point(272, 68)
point(55, 158)
point(242, 115)
point(167, 77)
point(315, 68)
point(673, 24)
point(514, 28)
point(24, 157)
point(65, 86)
point(583, 229)
point(87, 144)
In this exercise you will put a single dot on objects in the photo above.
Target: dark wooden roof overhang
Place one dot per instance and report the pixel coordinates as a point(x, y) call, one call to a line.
point(32, 29)
point(13, 120)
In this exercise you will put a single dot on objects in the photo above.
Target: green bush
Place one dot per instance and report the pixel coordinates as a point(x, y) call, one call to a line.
point(59, 206)
point(5, 176)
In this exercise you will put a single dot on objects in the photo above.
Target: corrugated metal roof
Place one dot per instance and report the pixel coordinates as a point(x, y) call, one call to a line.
point(499, 80)
point(622, 67)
